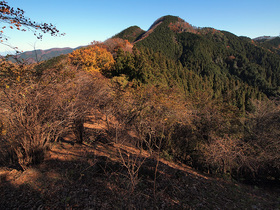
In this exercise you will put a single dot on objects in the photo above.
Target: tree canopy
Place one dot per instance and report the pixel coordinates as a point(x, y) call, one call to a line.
point(92, 58)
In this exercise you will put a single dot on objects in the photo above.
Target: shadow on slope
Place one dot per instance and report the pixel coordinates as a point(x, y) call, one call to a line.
point(85, 176)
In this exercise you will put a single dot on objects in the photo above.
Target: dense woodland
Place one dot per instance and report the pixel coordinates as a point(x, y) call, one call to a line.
point(199, 96)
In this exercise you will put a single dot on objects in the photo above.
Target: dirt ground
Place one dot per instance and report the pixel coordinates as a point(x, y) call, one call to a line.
point(102, 174)
point(95, 177)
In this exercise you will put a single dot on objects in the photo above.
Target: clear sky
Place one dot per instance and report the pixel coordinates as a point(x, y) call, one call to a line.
point(86, 20)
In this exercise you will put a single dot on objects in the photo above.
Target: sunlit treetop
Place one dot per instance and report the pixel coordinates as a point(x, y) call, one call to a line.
point(94, 58)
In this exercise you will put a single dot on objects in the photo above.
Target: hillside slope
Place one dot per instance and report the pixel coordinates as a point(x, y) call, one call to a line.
point(209, 52)
point(131, 33)
point(94, 175)
point(271, 43)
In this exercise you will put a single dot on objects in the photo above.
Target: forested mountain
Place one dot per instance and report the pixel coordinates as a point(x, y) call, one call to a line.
point(230, 68)
point(222, 76)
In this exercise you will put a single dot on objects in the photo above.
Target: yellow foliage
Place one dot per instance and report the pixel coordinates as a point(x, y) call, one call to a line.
point(12, 73)
point(92, 59)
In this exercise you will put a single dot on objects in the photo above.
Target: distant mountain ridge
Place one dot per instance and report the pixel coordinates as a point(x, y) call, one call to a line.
point(270, 43)
point(205, 51)
point(135, 34)
point(174, 23)
point(264, 38)
point(42, 55)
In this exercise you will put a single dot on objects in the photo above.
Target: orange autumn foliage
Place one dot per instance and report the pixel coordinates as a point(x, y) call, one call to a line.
point(92, 59)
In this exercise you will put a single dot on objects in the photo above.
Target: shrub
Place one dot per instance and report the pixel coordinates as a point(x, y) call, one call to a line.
point(34, 115)
point(263, 135)
point(43, 108)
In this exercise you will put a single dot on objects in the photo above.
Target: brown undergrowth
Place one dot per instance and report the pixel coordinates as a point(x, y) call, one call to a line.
point(96, 175)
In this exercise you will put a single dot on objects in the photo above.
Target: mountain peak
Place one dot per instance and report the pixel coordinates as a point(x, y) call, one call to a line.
point(131, 33)
point(167, 18)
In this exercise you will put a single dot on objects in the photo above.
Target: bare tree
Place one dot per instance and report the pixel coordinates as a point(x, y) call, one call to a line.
point(263, 134)
point(16, 19)
point(40, 109)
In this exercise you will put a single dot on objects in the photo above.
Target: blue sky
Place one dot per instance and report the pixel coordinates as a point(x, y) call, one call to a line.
point(87, 20)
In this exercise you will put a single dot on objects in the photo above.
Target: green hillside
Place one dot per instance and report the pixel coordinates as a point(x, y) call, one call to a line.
point(162, 38)
point(209, 52)
point(236, 70)
point(130, 34)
